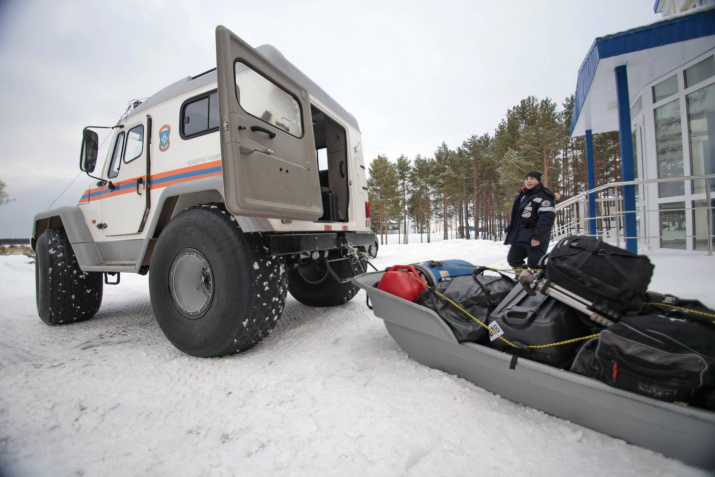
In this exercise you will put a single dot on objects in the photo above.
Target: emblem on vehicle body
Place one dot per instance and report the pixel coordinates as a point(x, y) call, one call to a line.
point(164, 134)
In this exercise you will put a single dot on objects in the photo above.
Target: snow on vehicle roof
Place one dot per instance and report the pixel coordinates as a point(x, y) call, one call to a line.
point(272, 54)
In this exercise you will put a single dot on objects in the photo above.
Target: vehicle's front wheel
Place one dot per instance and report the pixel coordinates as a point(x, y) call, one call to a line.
point(64, 293)
point(212, 292)
point(312, 284)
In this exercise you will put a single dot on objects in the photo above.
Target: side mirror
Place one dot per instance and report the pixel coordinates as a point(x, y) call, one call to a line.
point(88, 154)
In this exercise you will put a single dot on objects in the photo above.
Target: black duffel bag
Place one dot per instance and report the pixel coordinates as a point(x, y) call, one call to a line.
point(478, 294)
point(613, 279)
point(664, 358)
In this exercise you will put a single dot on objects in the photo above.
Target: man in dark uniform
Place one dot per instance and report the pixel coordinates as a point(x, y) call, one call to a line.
point(532, 217)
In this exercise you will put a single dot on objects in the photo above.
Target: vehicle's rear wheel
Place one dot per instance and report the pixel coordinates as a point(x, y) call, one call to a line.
point(372, 249)
point(64, 293)
point(212, 292)
point(312, 284)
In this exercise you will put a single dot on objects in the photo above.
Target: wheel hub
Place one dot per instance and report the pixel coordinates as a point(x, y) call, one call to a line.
point(314, 272)
point(191, 283)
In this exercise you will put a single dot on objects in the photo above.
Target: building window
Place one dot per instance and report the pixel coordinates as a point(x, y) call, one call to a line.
point(268, 102)
point(669, 148)
point(672, 225)
point(665, 88)
point(700, 224)
point(637, 107)
point(200, 115)
point(700, 72)
point(701, 127)
point(634, 146)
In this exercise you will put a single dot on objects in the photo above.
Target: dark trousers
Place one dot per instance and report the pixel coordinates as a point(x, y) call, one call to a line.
point(519, 251)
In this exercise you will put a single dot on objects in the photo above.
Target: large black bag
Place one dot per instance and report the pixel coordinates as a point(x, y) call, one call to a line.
point(613, 279)
point(478, 294)
point(539, 320)
point(665, 358)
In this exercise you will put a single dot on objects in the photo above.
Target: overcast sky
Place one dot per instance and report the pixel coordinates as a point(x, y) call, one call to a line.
point(414, 73)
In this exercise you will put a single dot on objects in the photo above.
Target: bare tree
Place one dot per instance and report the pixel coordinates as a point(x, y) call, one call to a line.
point(4, 197)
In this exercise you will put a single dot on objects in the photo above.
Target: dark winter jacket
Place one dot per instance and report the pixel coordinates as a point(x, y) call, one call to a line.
point(532, 215)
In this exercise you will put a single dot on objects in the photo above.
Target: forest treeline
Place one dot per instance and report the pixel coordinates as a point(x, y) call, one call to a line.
point(473, 185)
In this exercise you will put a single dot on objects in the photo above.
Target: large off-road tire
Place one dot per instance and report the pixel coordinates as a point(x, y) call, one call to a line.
point(312, 284)
point(372, 249)
point(64, 293)
point(212, 292)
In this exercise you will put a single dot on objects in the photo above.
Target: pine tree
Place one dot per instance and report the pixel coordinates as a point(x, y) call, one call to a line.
point(404, 167)
point(382, 192)
point(420, 204)
point(541, 141)
point(440, 183)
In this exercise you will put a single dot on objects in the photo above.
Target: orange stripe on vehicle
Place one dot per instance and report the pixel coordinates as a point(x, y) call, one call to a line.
point(185, 179)
point(157, 181)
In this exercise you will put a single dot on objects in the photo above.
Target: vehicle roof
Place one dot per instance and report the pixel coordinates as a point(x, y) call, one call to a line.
point(272, 54)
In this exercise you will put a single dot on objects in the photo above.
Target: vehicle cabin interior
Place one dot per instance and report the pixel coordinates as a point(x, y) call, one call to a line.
point(332, 158)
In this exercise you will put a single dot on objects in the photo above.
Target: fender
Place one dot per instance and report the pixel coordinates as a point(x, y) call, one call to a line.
point(72, 220)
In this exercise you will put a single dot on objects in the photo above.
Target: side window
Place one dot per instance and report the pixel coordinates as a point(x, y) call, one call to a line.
point(135, 143)
point(261, 98)
point(199, 115)
point(116, 156)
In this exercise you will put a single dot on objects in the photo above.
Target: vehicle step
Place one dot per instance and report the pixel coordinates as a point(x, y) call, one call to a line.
point(111, 267)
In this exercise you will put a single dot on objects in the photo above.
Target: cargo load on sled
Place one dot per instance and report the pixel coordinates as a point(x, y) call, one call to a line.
point(581, 340)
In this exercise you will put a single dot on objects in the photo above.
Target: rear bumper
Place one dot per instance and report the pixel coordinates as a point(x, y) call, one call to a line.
point(292, 243)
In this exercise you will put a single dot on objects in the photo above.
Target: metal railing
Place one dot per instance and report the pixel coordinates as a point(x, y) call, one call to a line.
point(572, 215)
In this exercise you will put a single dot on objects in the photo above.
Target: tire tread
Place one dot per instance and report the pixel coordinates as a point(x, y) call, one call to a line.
point(70, 295)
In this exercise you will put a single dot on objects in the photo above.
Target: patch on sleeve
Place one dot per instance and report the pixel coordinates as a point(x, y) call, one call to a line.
point(546, 203)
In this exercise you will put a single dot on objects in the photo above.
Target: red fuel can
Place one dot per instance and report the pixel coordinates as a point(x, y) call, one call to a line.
point(402, 281)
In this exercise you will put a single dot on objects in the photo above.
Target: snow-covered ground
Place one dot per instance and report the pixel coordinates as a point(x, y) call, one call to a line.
point(328, 393)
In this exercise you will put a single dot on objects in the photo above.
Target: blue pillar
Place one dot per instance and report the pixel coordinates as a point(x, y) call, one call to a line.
point(591, 169)
point(627, 172)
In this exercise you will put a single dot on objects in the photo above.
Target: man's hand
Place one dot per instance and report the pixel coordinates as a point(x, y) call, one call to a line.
point(535, 243)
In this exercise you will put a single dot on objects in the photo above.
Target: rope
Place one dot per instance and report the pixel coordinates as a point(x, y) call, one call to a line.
point(515, 271)
point(702, 313)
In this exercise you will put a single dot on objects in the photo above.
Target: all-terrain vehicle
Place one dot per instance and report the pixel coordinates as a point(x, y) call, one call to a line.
point(229, 188)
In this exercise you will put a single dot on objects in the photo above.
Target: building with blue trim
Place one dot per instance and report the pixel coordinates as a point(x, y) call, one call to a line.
point(655, 84)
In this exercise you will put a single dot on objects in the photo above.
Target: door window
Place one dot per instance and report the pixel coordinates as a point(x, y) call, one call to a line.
point(135, 143)
point(116, 156)
point(265, 100)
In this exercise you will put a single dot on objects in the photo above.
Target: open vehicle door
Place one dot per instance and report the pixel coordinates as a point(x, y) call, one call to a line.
point(267, 144)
